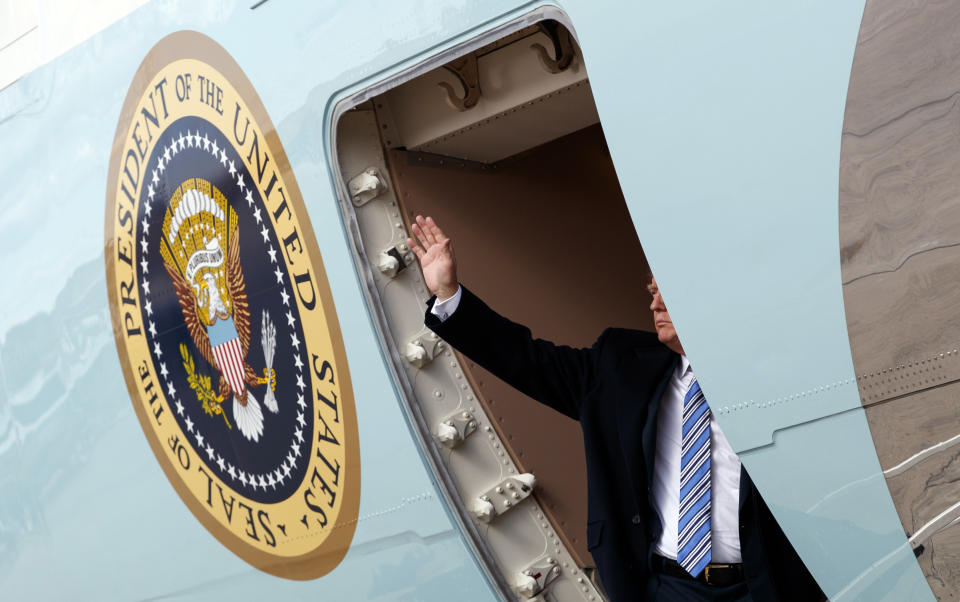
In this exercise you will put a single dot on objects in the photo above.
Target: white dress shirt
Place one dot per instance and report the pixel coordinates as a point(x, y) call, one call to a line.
point(724, 465)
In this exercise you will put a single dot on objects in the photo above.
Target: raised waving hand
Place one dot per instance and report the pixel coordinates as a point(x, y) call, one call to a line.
point(435, 252)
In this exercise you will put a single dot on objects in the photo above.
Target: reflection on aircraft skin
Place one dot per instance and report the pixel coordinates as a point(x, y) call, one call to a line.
point(426, 578)
point(7, 432)
point(880, 564)
point(73, 341)
point(943, 521)
point(837, 491)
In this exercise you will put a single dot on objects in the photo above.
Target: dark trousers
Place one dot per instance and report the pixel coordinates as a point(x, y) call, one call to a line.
point(676, 589)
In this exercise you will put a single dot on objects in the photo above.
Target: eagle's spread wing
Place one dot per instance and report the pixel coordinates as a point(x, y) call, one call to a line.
point(189, 307)
point(238, 293)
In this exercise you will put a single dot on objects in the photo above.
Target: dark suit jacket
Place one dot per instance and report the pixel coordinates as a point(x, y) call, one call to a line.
point(613, 389)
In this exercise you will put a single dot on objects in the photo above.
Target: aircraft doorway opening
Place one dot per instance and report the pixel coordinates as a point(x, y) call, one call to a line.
point(503, 146)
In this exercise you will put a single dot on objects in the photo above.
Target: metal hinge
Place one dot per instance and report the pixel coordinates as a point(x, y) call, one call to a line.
point(535, 578)
point(504, 496)
point(366, 186)
point(394, 260)
point(423, 347)
point(455, 428)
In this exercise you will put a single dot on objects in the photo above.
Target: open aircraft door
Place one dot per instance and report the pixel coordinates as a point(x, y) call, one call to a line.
point(716, 135)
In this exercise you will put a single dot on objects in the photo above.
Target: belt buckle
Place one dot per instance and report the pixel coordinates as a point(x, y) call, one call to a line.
point(713, 565)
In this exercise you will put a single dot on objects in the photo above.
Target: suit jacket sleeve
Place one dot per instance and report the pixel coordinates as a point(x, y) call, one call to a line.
point(555, 375)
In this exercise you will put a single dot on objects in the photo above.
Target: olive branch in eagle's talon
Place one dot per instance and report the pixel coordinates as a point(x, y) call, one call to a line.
point(212, 403)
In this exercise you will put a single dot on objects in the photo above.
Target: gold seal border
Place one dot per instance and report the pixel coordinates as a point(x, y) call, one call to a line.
point(331, 551)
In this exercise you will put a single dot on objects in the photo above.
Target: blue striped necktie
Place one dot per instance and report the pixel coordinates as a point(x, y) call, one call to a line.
point(693, 545)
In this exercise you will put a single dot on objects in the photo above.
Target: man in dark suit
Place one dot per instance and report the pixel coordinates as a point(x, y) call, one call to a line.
point(672, 515)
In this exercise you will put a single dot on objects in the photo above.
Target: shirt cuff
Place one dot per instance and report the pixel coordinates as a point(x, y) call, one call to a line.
point(444, 309)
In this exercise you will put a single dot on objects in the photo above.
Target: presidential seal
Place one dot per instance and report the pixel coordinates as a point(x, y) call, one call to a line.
point(223, 317)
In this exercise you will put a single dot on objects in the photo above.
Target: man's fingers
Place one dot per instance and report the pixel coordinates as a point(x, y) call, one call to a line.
point(427, 236)
point(435, 230)
point(424, 225)
point(420, 237)
point(416, 248)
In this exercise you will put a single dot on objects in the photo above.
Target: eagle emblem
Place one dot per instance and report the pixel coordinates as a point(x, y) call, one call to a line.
point(201, 253)
point(223, 316)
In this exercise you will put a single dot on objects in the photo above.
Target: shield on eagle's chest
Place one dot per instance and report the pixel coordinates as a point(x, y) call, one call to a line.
point(225, 344)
